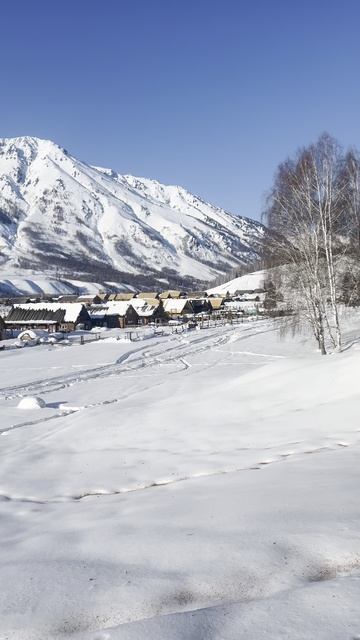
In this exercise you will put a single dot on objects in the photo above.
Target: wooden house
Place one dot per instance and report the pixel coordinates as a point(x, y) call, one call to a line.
point(176, 308)
point(200, 305)
point(52, 316)
point(149, 310)
point(113, 314)
point(217, 304)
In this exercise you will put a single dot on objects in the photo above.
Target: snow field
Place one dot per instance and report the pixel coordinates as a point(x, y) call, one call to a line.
point(202, 485)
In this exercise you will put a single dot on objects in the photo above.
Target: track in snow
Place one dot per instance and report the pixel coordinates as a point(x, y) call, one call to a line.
point(148, 355)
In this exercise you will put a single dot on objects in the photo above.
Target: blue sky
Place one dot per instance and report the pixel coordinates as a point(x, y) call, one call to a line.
point(208, 94)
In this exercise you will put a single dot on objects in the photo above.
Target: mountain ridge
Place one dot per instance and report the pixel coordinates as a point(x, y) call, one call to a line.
point(59, 213)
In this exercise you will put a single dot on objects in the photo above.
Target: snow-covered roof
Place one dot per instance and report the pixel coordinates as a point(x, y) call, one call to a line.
point(176, 305)
point(144, 308)
point(72, 310)
point(39, 322)
point(110, 308)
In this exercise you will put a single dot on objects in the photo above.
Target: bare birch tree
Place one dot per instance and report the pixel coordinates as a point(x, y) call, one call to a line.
point(350, 183)
point(305, 212)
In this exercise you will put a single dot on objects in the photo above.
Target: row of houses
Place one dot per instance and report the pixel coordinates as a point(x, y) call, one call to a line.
point(68, 313)
point(101, 298)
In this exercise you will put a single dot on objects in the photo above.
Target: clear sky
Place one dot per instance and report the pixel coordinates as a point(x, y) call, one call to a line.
point(208, 94)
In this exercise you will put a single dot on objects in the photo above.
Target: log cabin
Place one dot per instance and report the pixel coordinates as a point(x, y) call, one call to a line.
point(51, 316)
point(113, 314)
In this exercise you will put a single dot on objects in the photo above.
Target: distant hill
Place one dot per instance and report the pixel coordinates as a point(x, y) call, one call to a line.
point(249, 282)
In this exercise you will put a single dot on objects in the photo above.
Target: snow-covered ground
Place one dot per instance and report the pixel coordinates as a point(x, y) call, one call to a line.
point(249, 282)
point(194, 486)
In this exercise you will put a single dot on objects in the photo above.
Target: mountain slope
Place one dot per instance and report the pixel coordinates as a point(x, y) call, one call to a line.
point(57, 212)
point(249, 282)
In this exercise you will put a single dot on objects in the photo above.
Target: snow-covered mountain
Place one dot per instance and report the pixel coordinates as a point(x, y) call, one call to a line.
point(60, 214)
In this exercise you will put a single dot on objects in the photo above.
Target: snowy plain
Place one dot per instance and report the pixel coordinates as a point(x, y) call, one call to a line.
point(195, 486)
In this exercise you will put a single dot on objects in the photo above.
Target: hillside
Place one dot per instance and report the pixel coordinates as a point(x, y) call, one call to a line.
point(248, 282)
point(58, 214)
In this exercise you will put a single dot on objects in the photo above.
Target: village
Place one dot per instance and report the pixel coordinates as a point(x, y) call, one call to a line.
point(69, 313)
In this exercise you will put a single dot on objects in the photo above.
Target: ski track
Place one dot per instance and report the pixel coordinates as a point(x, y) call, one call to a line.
point(174, 350)
point(146, 356)
point(126, 362)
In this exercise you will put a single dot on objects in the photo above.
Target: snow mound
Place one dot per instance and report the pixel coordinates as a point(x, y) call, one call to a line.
point(31, 402)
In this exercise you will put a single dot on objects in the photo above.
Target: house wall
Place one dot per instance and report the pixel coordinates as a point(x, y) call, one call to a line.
point(83, 318)
point(131, 317)
point(111, 322)
point(187, 309)
point(66, 327)
point(51, 328)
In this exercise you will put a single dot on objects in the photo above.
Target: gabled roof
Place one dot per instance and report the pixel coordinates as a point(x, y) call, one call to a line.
point(145, 308)
point(123, 296)
point(148, 294)
point(216, 303)
point(175, 306)
point(110, 308)
point(19, 315)
point(171, 293)
point(67, 312)
point(138, 303)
